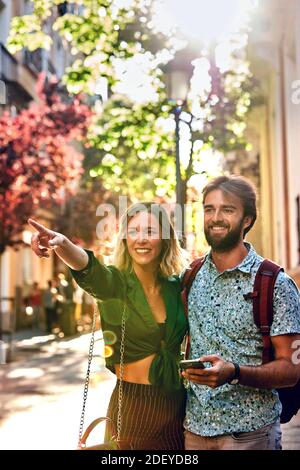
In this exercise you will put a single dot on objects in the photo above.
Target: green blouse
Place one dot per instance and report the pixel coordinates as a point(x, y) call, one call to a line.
point(112, 287)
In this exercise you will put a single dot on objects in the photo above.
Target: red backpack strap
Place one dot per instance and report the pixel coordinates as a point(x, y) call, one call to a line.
point(186, 284)
point(188, 279)
point(262, 297)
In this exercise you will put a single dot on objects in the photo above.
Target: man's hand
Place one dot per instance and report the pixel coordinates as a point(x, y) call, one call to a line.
point(44, 239)
point(219, 374)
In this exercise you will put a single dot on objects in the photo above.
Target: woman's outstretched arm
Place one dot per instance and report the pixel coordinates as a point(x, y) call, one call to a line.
point(45, 239)
point(101, 281)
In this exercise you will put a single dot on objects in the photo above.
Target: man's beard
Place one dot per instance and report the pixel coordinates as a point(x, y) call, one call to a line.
point(226, 243)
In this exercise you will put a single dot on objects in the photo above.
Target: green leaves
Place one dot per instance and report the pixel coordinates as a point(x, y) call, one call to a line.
point(25, 32)
point(135, 152)
point(134, 139)
point(93, 31)
point(42, 8)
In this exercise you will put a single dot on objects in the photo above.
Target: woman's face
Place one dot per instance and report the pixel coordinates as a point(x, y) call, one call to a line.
point(144, 241)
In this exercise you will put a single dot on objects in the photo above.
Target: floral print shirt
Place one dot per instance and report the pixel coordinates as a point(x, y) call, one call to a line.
point(221, 322)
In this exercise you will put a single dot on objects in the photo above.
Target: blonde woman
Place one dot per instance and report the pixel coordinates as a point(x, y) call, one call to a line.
point(144, 278)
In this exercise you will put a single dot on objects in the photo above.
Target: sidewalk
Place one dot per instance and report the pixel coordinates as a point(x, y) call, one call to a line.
point(27, 339)
point(42, 392)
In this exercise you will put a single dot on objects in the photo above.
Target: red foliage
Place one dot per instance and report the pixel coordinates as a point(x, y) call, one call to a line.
point(37, 160)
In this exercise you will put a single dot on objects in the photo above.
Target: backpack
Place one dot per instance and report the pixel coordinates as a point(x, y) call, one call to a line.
point(262, 299)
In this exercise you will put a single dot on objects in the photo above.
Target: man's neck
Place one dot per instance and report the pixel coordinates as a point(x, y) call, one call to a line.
point(229, 259)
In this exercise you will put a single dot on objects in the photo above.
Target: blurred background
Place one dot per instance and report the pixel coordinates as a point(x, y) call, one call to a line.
point(146, 99)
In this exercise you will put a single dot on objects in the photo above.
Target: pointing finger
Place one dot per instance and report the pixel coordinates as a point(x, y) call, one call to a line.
point(39, 227)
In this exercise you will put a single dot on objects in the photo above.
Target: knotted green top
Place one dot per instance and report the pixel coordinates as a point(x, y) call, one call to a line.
point(112, 287)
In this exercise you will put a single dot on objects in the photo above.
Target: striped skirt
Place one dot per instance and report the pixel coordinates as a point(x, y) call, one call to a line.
point(151, 420)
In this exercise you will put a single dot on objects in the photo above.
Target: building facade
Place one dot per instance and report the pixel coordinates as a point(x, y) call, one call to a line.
point(19, 269)
point(273, 130)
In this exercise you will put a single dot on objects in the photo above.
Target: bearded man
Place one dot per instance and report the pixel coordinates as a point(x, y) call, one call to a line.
point(232, 404)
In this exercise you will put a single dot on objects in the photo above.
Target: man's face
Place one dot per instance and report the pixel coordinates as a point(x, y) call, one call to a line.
point(224, 220)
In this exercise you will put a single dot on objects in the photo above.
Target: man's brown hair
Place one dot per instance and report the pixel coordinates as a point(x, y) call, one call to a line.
point(240, 187)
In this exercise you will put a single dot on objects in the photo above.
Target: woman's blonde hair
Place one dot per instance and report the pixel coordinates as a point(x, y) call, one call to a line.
point(173, 258)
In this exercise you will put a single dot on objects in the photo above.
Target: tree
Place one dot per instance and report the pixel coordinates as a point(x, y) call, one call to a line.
point(77, 216)
point(135, 153)
point(215, 112)
point(100, 36)
point(97, 33)
point(37, 160)
point(136, 141)
point(135, 137)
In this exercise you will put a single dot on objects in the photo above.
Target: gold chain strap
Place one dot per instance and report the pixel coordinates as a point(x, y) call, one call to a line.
point(120, 394)
point(87, 379)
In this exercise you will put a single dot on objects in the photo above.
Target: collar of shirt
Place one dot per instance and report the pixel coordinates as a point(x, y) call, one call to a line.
point(245, 266)
point(136, 296)
point(132, 278)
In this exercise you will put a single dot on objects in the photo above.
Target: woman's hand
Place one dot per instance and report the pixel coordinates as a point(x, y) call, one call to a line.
point(44, 239)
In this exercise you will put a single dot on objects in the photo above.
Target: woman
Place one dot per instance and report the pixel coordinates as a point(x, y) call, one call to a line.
point(144, 288)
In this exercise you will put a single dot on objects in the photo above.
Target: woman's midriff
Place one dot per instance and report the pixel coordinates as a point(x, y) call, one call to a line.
point(136, 372)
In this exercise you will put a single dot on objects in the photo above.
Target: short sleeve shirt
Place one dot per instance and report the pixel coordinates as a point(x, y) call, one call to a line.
point(221, 322)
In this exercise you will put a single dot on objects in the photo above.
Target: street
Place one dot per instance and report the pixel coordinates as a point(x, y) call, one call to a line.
point(42, 389)
point(41, 394)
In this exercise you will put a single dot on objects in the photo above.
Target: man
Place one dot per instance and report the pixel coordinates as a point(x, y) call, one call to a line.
point(50, 306)
point(36, 304)
point(232, 404)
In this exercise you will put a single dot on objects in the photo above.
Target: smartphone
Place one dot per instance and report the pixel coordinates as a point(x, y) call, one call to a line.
point(191, 364)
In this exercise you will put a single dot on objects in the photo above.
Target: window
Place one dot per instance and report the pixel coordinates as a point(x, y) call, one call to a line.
point(69, 7)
